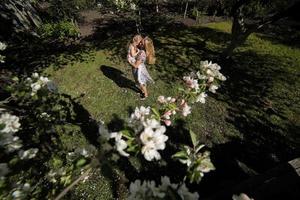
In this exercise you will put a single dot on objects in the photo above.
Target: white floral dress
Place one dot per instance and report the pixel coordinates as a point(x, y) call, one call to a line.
point(142, 74)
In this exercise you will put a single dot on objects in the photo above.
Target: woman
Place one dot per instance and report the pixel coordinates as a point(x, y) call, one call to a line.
point(141, 73)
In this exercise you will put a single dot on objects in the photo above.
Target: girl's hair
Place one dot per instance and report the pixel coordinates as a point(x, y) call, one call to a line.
point(137, 38)
point(150, 52)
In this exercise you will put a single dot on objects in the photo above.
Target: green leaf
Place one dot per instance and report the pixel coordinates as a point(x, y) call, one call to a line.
point(126, 134)
point(199, 147)
point(155, 111)
point(80, 162)
point(180, 155)
point(193, 138)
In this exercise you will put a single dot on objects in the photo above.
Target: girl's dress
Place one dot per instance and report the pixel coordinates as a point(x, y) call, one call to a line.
point(140, 74)
point(143, 75)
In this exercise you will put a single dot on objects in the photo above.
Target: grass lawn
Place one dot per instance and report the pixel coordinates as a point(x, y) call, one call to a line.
point(253, 118)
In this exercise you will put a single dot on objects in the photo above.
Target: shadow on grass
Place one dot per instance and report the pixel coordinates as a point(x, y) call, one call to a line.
point(259, 91)
point(178, 47)
point(118, 77)
point(33, 55)
point(284, 32)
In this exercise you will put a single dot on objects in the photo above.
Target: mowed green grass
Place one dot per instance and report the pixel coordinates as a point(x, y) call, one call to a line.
point(268, 96)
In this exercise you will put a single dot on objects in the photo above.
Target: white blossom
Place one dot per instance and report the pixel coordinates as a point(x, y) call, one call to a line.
point(210, 71)
point(185, 194)
point(35, 75)
point(45, 115)
point(166, 183)
point(213, 88)
point(186, 110)
point(14, 145)
point(150, 152)
point(26, 187)
point(139, 190)
point(3, 46)
point(201, 97)
point(140, 113)
point(153, 139)
point(210, 79)
point(17, 194)
point(40, 81)
point(35, 87)
point(11, 123)
point(28, 154)
point(132, 6)
point(242, 196)
point(44, 80)
point(121, 145)
point(161, 99)
point(191, 83)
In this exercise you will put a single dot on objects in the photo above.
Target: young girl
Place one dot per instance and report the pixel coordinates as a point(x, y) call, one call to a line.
point(133, 49)
point(146, 54)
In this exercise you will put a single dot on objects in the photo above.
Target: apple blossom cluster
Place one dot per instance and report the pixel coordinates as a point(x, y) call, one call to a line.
point(206, 79)
point(149, 190)
point(9, 125)
point(153, 139)
point(21, 190)
point(140, 113)
point(150, 139)
point(2, 46)
point(37, 82)
point(210, 72)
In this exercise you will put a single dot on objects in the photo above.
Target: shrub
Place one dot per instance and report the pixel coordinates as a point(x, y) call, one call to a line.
point(61, 31)
point(33, 121)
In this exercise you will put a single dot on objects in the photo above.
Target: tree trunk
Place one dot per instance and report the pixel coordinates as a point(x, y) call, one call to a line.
point(139, 22)
point(239, 33)
point(240, 30)
point(186, 8)
point(157, 9)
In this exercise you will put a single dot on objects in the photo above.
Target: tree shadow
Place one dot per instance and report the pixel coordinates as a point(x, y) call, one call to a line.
point(118, 77)
point(178, 47)
point(284, 32)
point(234, 176)
point(27, 56)
point(260, 111)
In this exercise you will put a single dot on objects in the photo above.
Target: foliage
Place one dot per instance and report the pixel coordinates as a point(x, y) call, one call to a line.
point(197, 162)
point(68, 9)
point(31, 116)
point(61, 31)
point(166, 190)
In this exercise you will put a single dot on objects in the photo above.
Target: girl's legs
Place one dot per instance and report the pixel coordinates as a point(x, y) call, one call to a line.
point(144, 90)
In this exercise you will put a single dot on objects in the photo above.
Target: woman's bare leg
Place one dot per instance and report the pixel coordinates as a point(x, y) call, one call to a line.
point(144, 90)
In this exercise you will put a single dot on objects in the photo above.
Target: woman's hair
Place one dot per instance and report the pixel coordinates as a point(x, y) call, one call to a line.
point(150, 52)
